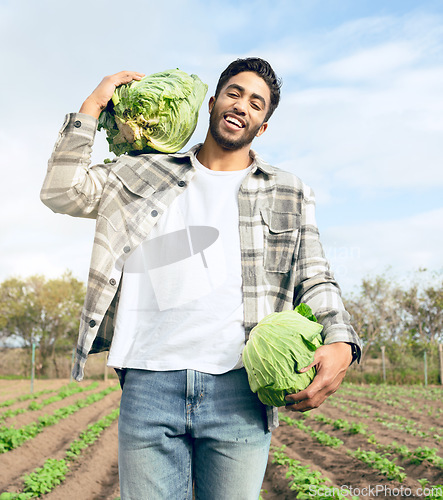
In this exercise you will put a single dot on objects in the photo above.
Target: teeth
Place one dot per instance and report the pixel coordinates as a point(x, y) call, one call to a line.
point(234, 121)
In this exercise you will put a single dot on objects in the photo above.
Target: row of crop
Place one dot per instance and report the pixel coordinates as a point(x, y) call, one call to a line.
point(435, 433)
point(53, 472)
point(63, 393)
point(307, 483)
point(431, 393)
point(11, 437)
point(311, 484)
point(391, 421)
point(417, 456)
point(320, 436)
point(398, 396)
point(381, 462)
point(420, 454)
point(353, 408)
point(385, 466)
point(25, 397)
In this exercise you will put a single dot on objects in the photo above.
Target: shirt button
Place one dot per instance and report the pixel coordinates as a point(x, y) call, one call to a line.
point(181, 183)
point(154, 213)
point(112, 281)
point(92, 323)
point(77, 124)
point(127, 249)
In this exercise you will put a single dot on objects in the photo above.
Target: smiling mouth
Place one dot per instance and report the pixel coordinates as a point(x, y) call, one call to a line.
point(233, 120)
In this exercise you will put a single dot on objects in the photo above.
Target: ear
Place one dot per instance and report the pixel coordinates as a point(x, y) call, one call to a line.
point(211, 104)
point(262, 129)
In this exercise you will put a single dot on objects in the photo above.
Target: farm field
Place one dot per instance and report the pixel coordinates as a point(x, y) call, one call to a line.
point(369, 441)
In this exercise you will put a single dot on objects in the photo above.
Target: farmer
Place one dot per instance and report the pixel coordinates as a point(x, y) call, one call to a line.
point(176, 323)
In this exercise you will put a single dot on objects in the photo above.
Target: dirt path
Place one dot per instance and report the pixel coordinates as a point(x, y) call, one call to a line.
point(95, 475)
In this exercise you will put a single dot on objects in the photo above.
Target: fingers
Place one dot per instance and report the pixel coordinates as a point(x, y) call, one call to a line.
point(308, 399)
point(307, 368)
point(107, 86)
point(331, 363)
point(102, 94)
point(123, 77)
point(312, 397)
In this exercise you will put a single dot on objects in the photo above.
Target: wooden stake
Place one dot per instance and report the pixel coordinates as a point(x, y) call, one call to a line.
point(440, 355)
point(383, 362)
point(426, 368)
point(32, 367)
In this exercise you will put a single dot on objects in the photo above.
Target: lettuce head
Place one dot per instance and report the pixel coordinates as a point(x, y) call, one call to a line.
point(158, 113)
point(279, 345)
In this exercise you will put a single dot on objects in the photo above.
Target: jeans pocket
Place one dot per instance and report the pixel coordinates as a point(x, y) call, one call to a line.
point(281, 239)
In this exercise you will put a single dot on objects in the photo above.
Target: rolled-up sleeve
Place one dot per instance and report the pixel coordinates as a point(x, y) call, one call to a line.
point(315, 283)
point(71, 185)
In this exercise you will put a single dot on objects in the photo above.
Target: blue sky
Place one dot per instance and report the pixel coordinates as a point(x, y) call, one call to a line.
point(360, 121)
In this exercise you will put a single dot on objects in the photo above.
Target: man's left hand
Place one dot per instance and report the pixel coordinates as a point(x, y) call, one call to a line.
point(331, 362)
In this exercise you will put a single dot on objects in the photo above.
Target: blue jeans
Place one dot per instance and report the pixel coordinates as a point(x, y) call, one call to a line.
point(185, 430)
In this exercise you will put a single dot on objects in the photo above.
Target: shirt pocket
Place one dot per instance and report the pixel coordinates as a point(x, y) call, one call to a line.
point(281, 239)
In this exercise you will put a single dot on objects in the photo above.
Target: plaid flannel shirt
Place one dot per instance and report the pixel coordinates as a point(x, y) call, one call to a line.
point(283, 262)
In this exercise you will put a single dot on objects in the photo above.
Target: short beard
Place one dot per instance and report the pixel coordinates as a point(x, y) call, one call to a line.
point(226, 142)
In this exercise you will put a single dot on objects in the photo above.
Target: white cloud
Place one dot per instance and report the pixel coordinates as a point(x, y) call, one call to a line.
point(386, 133)
point(371, 64)
point(369, 249)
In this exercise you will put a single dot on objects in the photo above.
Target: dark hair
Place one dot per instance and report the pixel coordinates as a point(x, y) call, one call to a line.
point(263, 69)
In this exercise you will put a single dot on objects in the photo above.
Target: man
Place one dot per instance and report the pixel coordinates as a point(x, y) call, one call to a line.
point(191, 251)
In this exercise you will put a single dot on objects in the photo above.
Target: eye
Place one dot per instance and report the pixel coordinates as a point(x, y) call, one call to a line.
point(232, 94)
point(256, 106)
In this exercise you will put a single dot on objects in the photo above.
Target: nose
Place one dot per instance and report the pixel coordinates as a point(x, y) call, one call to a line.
point(240, 106)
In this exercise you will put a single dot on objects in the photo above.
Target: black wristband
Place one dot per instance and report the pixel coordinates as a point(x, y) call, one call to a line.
point(354, 351)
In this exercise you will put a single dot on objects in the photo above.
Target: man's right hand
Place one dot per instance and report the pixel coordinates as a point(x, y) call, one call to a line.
point(100, 97)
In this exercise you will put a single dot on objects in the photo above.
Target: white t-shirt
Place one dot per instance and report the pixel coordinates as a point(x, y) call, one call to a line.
point(181, 304)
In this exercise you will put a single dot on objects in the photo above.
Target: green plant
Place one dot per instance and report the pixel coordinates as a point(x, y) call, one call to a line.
point(43, 479)
point(322, 437)
point(307, 483)
point(11, 438)
point(157, 113)
point(278, 346)
point(380, 462)
point(421, 454)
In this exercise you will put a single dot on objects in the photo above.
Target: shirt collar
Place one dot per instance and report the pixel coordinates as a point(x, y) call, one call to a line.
point(257, 162)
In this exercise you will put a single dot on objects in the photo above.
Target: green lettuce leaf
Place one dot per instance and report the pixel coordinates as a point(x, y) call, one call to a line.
point(279, 345)
point(158, 113)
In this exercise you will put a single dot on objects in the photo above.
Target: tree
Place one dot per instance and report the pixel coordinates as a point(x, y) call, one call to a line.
point(407, 319)
point(375, 313)
point(41, 310)
point(424, 307)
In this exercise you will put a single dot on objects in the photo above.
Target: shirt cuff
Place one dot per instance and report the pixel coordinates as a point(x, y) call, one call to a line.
point(80, 123)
